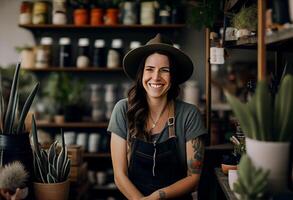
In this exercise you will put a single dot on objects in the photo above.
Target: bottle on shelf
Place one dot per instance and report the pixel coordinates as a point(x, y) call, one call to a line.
point(44, 52)
point(100, 54)
point(115, 54)
point(83, 60)
point(64, 52)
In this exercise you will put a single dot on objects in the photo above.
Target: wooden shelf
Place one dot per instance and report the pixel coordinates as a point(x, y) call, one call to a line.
point(72, 125)
point(223, 182)
point(96, 155)
point(119, 26)
point(73, 69)
point(104, 188)
point(279, 40)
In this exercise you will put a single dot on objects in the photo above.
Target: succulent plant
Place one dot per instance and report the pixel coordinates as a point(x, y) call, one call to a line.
point(8, 113)
point(266, 118)
point(252, 182)
point(13, 176)
point(246, 18)
point(50, 167)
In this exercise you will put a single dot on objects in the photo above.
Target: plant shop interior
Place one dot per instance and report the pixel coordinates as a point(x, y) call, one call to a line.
point(61, 74)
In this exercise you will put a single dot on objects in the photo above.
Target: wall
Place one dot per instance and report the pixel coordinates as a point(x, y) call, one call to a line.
point(11, 35)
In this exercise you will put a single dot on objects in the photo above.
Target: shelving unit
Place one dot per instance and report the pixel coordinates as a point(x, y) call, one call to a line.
point(281, 39)
point(118, 26)
point(96, 155)
point(74, 69)
point(72, 125)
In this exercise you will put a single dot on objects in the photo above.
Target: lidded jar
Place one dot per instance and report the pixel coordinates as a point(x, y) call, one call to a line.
point(100, 54)
point(115, 54)
point(64, 52)
point(83, 59)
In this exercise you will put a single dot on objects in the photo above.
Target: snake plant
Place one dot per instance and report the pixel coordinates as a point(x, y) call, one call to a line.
point(252, 182)
point(9, 113)
point(266, 118)
point(50, 167)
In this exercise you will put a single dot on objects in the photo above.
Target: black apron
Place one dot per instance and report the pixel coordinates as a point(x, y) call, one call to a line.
point(153, 166)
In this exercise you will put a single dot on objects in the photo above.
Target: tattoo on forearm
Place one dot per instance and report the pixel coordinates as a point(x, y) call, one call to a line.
point(195, 163)
point(162, 195)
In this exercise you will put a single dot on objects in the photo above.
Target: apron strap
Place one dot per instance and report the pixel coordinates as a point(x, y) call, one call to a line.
point(171, 120)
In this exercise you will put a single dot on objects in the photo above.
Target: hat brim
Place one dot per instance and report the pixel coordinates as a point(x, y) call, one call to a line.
point(183, 64)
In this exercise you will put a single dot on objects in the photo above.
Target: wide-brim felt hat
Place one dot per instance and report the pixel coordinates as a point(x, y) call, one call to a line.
point(182, 62)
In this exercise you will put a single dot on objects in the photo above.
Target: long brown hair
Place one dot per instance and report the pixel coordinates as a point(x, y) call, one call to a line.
point(138, 108)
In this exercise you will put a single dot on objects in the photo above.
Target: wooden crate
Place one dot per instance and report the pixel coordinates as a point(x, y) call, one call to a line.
point(75, 154)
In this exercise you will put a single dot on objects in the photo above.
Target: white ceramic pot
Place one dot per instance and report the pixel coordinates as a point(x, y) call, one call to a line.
point(272, 156)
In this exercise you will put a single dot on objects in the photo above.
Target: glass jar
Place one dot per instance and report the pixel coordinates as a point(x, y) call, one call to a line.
point(129, 13)
point(44, 52)
point(147, 13)
point(27, 58)
point(59, 12)
point(83, 60)
point(100, 54)
point(25, 15)
point(115, 54)
point(64, 52)
point(40, 12)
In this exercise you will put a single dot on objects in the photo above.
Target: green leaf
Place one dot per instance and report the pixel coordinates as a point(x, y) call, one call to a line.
point(26, 108)
point(11, 103)
point(243, 114)
point(264, 111)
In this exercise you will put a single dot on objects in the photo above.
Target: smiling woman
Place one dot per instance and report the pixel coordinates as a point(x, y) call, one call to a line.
point(156, 140)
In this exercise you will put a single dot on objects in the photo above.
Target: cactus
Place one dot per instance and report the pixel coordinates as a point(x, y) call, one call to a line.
point(48, 166)
point(8, 115)
point(13, 176)
point(265, 120)
point(252, 182)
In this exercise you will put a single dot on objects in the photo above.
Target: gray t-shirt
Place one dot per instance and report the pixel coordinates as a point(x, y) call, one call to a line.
point(188, 124)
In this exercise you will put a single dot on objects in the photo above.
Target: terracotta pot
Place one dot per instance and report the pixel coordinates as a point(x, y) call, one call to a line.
point(80, 17)
point(112, 16)
point(59, 119)
point(96, 16)
point(51, 191)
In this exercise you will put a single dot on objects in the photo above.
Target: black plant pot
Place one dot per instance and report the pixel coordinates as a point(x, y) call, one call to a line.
point(18, 148)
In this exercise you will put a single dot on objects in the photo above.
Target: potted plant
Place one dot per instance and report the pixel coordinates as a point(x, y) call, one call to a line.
point(58, 90)
point(74, 107)
point(112, 11)
point(245, 21)
point(13, 178)
point(80, 12)
point(14, 138)
point(51, 169)
point(251, 182)
point(267, 124)
point(66, 97)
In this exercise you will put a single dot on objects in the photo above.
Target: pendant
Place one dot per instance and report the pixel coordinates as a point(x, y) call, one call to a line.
point(154, 125)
